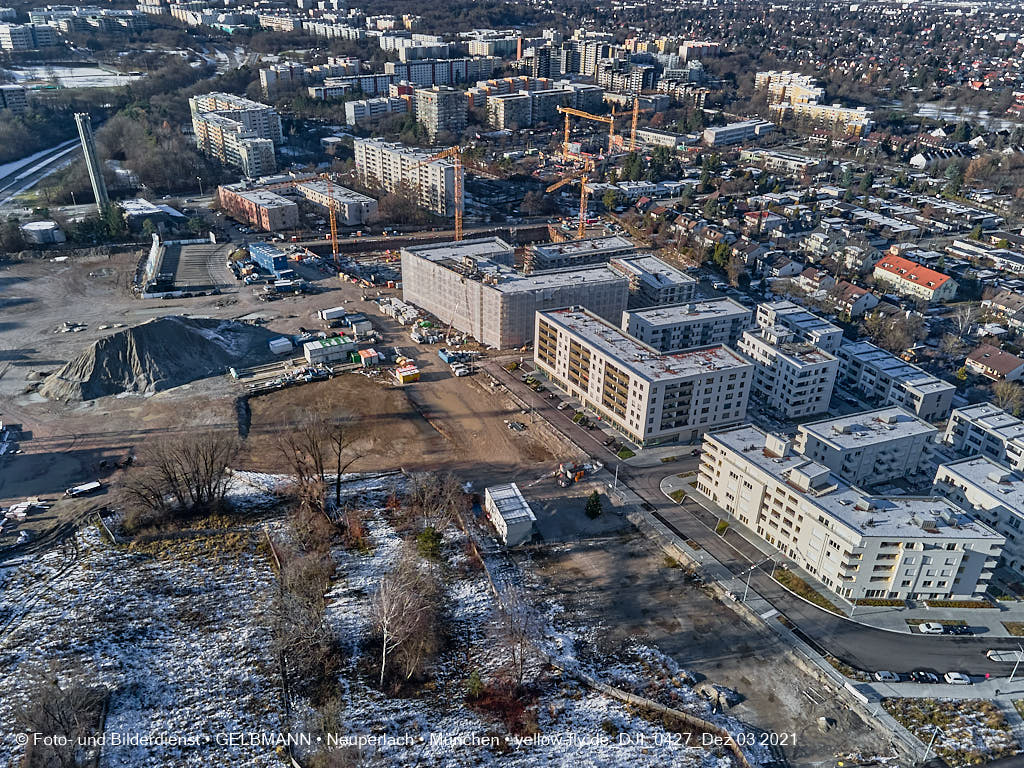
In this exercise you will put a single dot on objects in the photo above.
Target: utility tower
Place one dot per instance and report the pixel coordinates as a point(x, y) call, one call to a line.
point(92, 160)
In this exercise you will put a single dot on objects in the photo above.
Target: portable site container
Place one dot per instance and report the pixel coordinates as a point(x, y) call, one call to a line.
point(333, 313)
point(329, 350)
point(407, 375)
point(280, 345)
point(368, 357)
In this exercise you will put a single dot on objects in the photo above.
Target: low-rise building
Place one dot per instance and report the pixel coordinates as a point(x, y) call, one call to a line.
point(350, 208)
point(684, 326)
point(792, 377)
point(988, 430)
point(509, 513)
point(884, 379)
point(994, 363)
point(872, 447)
point(858, 545)
point(992, 493)
point(735, 133)
point(653, 282)
point(650, 396)
point(259, 208)
point(575, 253)
point(852, 300)
point(908, 278)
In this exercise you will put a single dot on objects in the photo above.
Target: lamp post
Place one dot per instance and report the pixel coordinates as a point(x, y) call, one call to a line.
point(200, 180)
point(1016, 663)
point(935, 732)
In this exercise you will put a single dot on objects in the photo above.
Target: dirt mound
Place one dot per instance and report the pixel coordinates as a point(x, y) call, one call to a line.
point(163, 353)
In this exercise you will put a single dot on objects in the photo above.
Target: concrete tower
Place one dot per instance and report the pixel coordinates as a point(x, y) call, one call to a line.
point(92, 160)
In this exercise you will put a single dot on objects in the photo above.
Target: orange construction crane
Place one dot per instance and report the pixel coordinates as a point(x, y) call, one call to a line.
point(455, 155)
point(609, 119)
point(583, 176)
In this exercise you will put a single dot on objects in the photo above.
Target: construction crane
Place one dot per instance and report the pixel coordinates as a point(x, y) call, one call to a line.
point(455, 155)
point(583, 176)
point(331, 205)
point(608, 119)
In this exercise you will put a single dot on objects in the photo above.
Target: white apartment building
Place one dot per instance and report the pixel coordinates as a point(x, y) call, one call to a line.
point(792, 378)
point(856, 544)
point(872, 447)
point(649, 396)
point(368, 109)
point(350, 207)
point(988, 430)
point(992, 493)
point(805, 325)
point(237, 131)
point(695, 324)
point(392, 166)
point(653, 282)
point(886, 380)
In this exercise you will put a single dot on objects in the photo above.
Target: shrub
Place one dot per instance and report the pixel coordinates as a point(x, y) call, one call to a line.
point(626, 453)
point(428, 543)
point(474, 686)
point(594, 507)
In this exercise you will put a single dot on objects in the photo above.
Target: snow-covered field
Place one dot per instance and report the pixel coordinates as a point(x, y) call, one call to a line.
point(436, 727)
point(175, 632)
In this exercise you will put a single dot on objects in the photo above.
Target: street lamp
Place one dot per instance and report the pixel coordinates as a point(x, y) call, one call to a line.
point(200, 180)
point(935, 732)
point(750, 571)
point(1016, 663)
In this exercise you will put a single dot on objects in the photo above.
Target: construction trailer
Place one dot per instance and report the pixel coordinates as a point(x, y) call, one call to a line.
point(509, 513)
point(331, 350)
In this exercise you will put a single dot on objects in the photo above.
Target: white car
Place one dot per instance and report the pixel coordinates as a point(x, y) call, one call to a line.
point(887, 677)
point(956, 678)
point(930, 628)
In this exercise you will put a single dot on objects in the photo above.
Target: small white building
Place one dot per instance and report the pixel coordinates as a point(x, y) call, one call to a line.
point(509, 513)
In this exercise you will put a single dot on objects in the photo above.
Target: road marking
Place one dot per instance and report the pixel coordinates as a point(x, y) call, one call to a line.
point(769, 614)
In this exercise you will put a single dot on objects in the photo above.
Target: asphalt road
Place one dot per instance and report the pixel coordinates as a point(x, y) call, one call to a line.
point(863, 647)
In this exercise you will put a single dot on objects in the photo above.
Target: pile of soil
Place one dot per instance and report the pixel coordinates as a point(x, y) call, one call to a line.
point(160, 354)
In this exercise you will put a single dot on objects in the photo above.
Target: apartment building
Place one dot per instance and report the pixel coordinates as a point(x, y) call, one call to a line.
point(805, 325)
point(856, 544)
point(884, 379)
point(392, 166)
point(350, 207)
point(13, 98)
point(650, 396)
point(430, 72)
point(259, 208)
point(734, 133)
point(27, 37)
point(992, 493)
point(908, 278)
point(792, 378)
point(694, 324)
point(988, 430)
point(441, 108)
point(236, 131)
point(852, 122)
point(510, 111)
point(369, 109)
point(575, 253)
point(652, 282)
point(871, 447)
point(472, 286)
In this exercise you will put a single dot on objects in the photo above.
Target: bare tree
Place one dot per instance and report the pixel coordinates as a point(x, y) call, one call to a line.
point(964, 317)
point(951, 347)
point(71, 710)
point(405, 611)
point(518, 630)
point(181, 476)
point(435, 499)
point(1009, 396)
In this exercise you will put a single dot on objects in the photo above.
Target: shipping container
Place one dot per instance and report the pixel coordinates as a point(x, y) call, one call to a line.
point(280, 345)
point(332, 313)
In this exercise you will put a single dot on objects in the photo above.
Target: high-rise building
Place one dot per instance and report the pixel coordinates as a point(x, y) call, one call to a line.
point(441, 108)
point(26, 37)
point(92, 160)
point(541, 65)
point(394, 167)
point(237, 131)
point(13, 98)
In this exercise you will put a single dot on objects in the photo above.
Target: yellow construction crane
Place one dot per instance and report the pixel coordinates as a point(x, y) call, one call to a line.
point(332, 205)
point(583, 176)
point(608, 119)
point(455, 155)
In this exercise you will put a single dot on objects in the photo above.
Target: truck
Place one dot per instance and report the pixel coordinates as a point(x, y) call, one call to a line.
point(84, 489)
point(332, 313)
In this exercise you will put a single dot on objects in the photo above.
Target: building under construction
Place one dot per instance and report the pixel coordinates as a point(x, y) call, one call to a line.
point(472, 287)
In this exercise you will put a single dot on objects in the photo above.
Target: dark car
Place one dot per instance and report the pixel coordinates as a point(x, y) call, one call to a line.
point(924, 676)
point(957, 629)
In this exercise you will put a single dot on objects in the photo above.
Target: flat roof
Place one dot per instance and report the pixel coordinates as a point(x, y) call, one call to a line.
point(339, 193)
point(509, 502)
point(892, 366)
point(588, 246)
point(640, 359)
point(869, 427)
point(993, 419)
point(694, 311)
point(797, 352)
point(264, 197)
point(480, 248)
point(1000, 482)
point(797, 318)
point(653, 270)
point(867, 515)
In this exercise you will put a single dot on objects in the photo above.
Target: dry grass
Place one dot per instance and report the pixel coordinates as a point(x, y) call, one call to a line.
point(795, 584)
point(973, 731)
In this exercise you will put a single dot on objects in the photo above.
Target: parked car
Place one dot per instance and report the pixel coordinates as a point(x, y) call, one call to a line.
point(958, 629)
point(562, 406)
point(887, 677)
point(930, 628)
point(924, 676)
point(956, 678)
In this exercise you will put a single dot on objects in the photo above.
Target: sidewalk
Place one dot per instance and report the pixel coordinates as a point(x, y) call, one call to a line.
point(984, 622)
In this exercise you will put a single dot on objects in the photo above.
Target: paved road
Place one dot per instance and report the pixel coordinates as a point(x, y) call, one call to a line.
point(860, 646)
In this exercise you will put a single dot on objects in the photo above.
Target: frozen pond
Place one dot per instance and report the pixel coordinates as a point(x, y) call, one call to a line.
point(85, 76)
